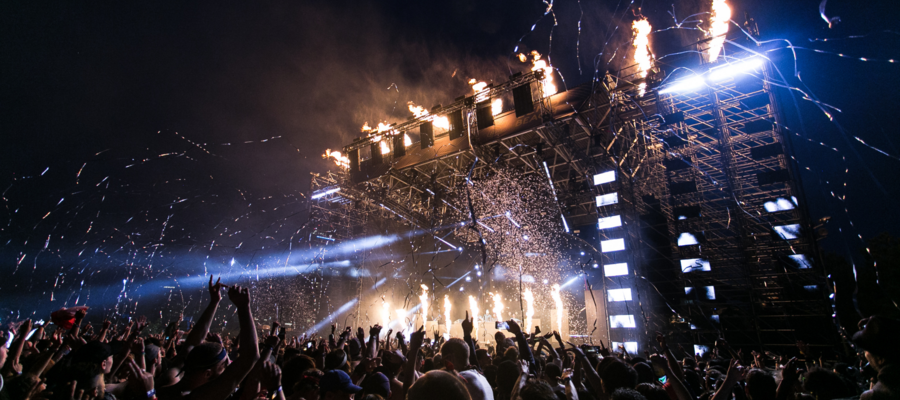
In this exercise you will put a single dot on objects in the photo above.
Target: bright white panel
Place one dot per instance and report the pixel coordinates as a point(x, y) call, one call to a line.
point(605, 177)
point(619, 294)
point(609, 222)
point(630, 347)
point(621, 321)
point(695, 264)
point(615, 269)
point(607, 246)
point(780, 204)
point(686, 239)
point(700, 349)
point(607, 199)
point(788, 232)
point(802, 261)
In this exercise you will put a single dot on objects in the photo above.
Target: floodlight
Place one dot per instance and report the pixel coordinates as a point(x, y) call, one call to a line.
point(732, 69)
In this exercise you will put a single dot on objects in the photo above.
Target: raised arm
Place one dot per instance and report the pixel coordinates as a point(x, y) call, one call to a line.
point(467, 326)
point(524, 350)
point(199, 331)
point(735, 373)
point(12, 366)
point(412, 359)
point(674, 381)
point(589, 372)
point(223, 386)
point(671, 361)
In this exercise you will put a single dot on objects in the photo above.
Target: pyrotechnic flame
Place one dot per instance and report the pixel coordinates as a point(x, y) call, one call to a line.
point(441, 121)
point(418, 111)
point(498, 306)
point(549, 88)
point(477, 87)
point(641, 45)
point(339, 159)
point(385, 314)
point(557, 299)
point(529, 309)
point(423, 299)
point(447, 307)
point(401, 316)
point(476, 312)
point(523, 57)
point(366, 127)
point(406, 140)
point(721, 14)
point(496, 106)
point(385, 149)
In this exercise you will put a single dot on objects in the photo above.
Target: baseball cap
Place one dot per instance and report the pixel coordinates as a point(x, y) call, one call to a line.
point(337, 380)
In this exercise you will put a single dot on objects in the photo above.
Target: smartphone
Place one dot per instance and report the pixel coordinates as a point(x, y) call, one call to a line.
point(309, 345)
point(591, 350)
point(501, 325)
point(662, 380)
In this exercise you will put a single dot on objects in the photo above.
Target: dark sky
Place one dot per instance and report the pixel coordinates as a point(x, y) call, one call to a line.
point(135, 80)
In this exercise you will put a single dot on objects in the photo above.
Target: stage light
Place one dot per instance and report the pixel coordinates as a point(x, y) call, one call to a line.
point(622, 321)
point(604, 177)
point(686, 239)
point(609, 222)
point(709, 292)
point(582, 253)
point(325, 193)
point(732, 69)
point(612, 245)
point(695, 264)
point(468, 279)
point(615, 269)
point(619, 294)
point(596, 265)
point(630, 347)
point(811, 287)
point(525, 237)
point(780, 204)
point(685, 85)
point(477, 267)
point(788, 232)
point(802, 261)
point(607, 199)
point(478, 273)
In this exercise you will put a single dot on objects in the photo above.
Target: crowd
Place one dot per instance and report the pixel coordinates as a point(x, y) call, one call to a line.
point(66, 360)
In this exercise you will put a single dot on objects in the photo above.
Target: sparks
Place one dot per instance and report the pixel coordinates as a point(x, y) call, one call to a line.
point(385, 314)
point(721, 14)
point(529, 309)
point(473, 304)
point(557, 299)
point(447, 306)
point(498, 306)
point(423, 300)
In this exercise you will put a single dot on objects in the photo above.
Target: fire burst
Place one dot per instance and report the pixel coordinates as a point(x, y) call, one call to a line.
point(385, 314)
point(547, 84)
point(557, 299)
point(473, 305)
point(439, 121)
point(401, 317)
point(423, 299)
point(721, 14)
point(641, 44)
point(496, 106)
point(339, 159)
point(529, 309)
point(498, 306)
point(447, 306)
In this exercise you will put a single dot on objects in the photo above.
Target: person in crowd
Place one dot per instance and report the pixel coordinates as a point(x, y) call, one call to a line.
point(68, 360)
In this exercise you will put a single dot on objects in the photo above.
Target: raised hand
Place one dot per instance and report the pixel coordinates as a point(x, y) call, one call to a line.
point(661, 339)
point(141, 323)
point(374, 331)
point(416, 338)
point(736, 372)
point(514, 328)
point(523, 367)
point(139, 382)
point(215, 289)
point(270, 377)
point(790, 372)
point(467, 325)
point(239, 296)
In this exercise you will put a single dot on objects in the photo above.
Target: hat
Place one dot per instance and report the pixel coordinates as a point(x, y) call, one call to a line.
point(337, 380)
point(878, 336)
point(335, 359)
point(377, 383)
point(204, 356)
point(92, 352)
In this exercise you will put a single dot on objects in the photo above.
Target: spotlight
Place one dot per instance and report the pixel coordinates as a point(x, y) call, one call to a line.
point(582, 253)
point(685, 85)
point(478, 273)
point(730, 70)
point(545, 281)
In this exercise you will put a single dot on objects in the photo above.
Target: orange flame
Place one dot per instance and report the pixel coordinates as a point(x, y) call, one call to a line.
point(721, 14)
point(477, 87)
point(547, 84)
point(496, 106)
point(423, 300)
point(339, 159)
point(473, 304)
point(498, 306)
point(641, 45)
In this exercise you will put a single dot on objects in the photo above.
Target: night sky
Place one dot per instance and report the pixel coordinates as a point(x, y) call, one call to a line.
point(183, 117)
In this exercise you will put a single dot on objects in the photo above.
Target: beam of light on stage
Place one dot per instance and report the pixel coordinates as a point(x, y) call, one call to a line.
point(321, 324)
